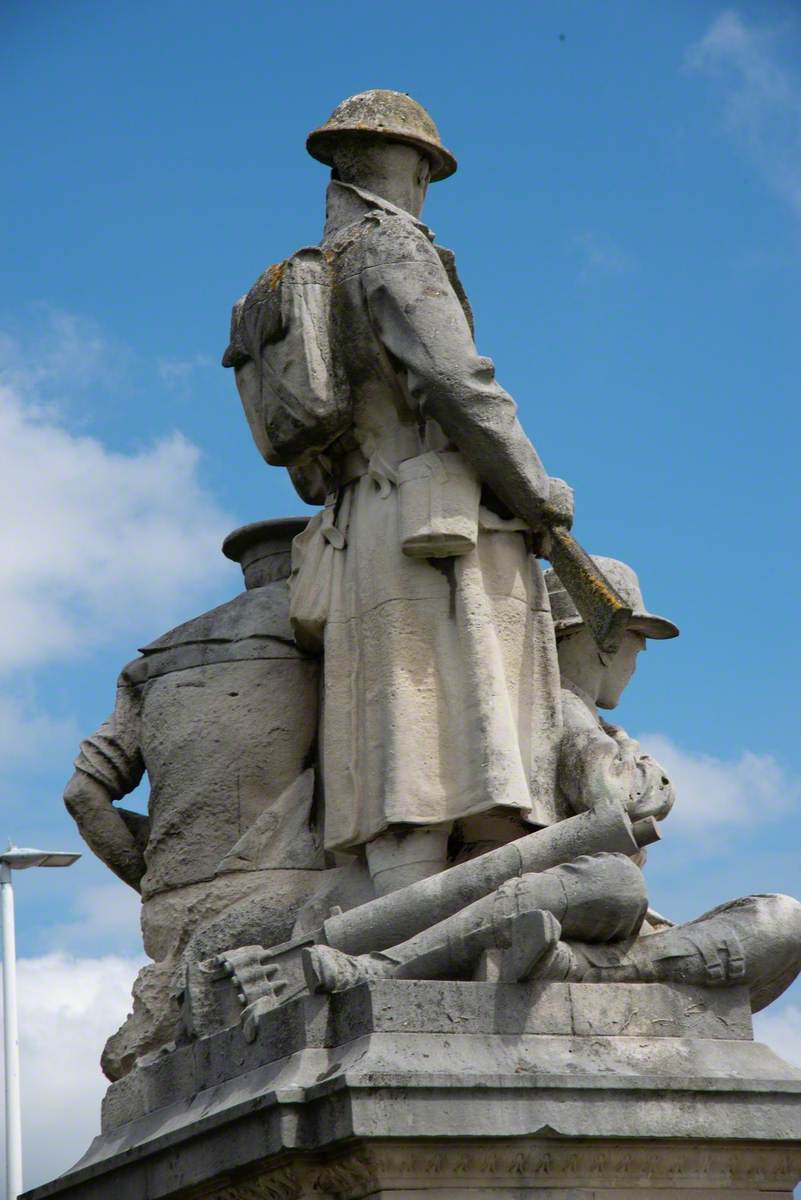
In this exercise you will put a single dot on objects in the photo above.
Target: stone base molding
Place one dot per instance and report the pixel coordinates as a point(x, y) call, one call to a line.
point(538, 1167)
point(399, 1090)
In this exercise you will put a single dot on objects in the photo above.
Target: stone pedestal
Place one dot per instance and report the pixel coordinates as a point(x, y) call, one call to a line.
point(398, 1089)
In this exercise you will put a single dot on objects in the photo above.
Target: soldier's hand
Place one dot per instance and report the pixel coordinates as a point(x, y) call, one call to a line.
point(252, 973)
point(559, 505)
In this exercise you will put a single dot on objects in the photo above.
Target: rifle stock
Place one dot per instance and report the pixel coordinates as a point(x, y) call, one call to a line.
point(605, 614)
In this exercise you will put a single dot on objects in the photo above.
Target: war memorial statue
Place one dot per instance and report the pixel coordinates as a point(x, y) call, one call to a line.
point(391, 871)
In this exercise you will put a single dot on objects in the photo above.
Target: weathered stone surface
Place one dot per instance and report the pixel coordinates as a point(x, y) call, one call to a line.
point(405, 638)
point(434, 1008)
point(572, 927)
point(538, 1167)
point(543, 1168)
point(390, 115)
point(429, 1064)
point(366, 1065)
point(222, 714)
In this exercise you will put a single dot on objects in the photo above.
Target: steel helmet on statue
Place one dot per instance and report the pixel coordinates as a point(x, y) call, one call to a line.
point(392, 115)
point(625, 582)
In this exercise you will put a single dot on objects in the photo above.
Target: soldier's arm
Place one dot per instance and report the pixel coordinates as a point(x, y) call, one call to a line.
point(109, 766)
point(423, 327)
point(598, 763)
point(650, 789)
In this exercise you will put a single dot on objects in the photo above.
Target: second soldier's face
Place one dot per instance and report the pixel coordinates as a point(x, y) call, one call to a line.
point(620, 670)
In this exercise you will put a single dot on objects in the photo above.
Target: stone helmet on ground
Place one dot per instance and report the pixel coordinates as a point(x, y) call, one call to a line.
point(392, 115)
point(623, 579)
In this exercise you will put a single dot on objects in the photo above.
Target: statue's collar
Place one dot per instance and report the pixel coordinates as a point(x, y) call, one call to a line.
point(346, 203)
point(569, 686)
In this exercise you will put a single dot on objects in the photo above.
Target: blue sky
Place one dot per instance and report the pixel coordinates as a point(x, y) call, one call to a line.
point(627, 221)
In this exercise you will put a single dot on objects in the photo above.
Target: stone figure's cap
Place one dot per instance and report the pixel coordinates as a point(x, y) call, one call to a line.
point(393, 115)
point(262, 539)
point(626, 584)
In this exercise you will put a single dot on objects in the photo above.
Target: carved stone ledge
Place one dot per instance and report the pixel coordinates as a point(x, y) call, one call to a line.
point(401, 1008)
point(539, 1167)
point(396, 1091)
point(284, 1184)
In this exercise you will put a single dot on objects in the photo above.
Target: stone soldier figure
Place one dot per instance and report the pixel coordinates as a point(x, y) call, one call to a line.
point(586, 920)
point(754, 940)
point(598, 760)
point(357, 369)
point(221, 713)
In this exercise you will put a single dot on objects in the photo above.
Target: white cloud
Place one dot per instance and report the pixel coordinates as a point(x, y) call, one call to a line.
point(780, 1028)
point(93, 541)
point(67, 1007)
point(62, 351)
point(101, 915)
point(177, 372)
point(739, 792)
point(600, 256)
point(31, 737)
point(760, 97)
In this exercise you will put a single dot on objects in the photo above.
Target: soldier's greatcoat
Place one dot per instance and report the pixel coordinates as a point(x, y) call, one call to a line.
point(441, 695)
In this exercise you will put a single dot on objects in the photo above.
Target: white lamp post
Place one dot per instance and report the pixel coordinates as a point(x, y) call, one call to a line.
point(16, 859)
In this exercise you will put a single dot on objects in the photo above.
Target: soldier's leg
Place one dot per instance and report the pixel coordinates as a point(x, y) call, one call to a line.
point(476, 835)
point(770, 931)
point(754, 941)
point(599, 896)
point(406, 854)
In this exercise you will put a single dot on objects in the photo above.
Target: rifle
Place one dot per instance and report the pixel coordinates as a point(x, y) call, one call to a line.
point(269, 976)
point(604, 612)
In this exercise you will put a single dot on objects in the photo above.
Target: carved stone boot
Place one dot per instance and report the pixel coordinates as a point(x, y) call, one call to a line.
point(329, 970)
point(523, 936)
point(693, 955)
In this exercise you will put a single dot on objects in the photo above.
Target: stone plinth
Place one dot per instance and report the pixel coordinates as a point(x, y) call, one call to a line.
point(412, 1089)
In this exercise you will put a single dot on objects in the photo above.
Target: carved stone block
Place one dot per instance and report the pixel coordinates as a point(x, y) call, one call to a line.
point(411, 1088)
point(540, 1168)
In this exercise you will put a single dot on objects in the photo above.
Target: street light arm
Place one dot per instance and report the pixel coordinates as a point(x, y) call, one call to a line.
point(104, 829)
